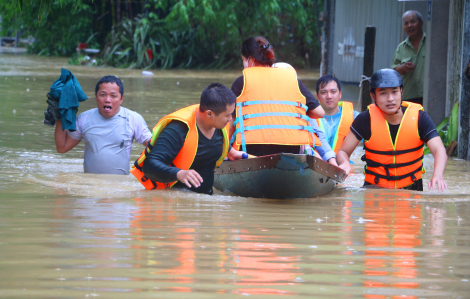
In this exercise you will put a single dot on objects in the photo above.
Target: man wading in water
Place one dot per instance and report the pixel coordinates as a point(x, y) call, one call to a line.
point(108, 131)
point(187, 145)
point(394, 134)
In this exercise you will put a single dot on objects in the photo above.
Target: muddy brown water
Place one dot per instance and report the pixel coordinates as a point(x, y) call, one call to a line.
point(66, 234)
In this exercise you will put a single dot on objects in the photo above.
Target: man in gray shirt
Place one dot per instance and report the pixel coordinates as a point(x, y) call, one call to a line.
point(108, 131)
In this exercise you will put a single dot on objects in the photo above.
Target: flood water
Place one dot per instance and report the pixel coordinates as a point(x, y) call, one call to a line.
point(66, 234)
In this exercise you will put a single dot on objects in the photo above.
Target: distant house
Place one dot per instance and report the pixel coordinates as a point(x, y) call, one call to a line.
point(447, 27)
point(351, 19)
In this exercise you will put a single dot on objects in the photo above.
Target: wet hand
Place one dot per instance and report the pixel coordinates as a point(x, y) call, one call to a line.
point(437, 182)
point(332, 161)
point(345, 167)
point(189, 178)
point(233, 154)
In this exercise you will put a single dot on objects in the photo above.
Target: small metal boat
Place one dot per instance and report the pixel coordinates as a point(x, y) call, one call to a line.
point(278, 176)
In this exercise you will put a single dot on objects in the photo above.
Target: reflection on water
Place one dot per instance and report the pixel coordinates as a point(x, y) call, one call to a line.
point(66, 234)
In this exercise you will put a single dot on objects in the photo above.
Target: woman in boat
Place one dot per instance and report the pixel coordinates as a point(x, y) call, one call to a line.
point(273, 106)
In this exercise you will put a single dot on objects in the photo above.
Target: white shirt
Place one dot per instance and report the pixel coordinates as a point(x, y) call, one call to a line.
point(108, 141)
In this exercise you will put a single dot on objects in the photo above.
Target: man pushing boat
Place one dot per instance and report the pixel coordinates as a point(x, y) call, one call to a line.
point(394, 134)
point(187, 145)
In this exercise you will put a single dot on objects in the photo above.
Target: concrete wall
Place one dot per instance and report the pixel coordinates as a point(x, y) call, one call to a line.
point(351, 19)
point(435, 78)
point(464, 119)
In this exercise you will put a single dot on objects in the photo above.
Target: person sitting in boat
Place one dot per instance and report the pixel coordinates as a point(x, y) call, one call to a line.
point(187, 145)
point(394, 134)
point(273, 106)
point(324, 150)
point(339, 115)
point(108, 131)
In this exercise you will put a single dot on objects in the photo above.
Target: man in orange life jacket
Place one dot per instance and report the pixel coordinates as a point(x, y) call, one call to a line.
point(394, 134)
point(339, 115)
point(188, 144)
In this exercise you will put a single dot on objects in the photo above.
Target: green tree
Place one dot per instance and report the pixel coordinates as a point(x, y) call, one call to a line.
point(62, 25)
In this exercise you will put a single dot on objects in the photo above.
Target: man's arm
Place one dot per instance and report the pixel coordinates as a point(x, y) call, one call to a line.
point(440, 160)
point(63, 141)
point(316, 113)
point(347, 148)
point(168, 145)
point(324, 149)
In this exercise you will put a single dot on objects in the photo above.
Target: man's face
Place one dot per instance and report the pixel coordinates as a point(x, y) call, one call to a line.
point(221, 120)
point(411, 24)
point(108, 99)
point(387, 99)
point(329, 96)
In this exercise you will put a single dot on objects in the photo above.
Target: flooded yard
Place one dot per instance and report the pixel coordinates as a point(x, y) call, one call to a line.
point(67, 234)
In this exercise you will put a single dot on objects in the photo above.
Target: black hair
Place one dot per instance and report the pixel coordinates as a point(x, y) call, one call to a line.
point(110, 79)
point(216, 97)
point(324, 80)
point(417, 14)
point(260, 49)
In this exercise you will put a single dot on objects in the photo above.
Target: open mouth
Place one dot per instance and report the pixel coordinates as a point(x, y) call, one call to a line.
point(107, 108)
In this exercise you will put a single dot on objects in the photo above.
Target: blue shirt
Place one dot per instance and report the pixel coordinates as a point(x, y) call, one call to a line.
point(331, 125)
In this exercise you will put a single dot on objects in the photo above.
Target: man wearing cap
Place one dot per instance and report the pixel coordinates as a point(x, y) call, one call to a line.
point(394, 134)
point(408, 60)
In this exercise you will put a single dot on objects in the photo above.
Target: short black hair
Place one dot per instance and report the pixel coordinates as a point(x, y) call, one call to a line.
point(324, 80)
point(110, 79)
point(216, 97)
point(417, 14)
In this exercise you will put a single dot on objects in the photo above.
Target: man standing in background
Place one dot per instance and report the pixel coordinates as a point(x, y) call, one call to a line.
point(409, 57)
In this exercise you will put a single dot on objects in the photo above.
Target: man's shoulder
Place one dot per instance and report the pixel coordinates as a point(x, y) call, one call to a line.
point(131, 113)
point(86, 113)
point(403, 45)
point(82, 117)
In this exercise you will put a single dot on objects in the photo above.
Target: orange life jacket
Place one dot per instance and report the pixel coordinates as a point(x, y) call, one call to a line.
point(185, 157)
point(272, 110)
point(347, 118)
point(399, 164)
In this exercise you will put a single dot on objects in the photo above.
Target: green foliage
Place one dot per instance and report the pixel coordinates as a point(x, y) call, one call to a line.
point(180, 33)
point(65, 23)
point(452, 132)
point(208, 34)
point(129, 42)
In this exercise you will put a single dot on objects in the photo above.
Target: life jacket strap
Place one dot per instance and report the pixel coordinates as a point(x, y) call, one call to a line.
point(248, 116)
point(249, 103)
point(371, 163)
point(393, 178)
point(393, 153)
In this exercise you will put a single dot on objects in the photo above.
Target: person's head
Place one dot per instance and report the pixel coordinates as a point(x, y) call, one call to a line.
point(386, 88)
point(329, 93)
point(109, 93)
point(257, 51)
point(413, 23)
point(217, 103)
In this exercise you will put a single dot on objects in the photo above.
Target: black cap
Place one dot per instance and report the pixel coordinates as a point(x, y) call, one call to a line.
point(385, 78)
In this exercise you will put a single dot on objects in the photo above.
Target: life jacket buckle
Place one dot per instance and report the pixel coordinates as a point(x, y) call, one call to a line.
point(243, 103)
point(299, 104)
point(413, 178)
point(302, 127)
point(376, 180)
point(144, 179)
point(299, 115)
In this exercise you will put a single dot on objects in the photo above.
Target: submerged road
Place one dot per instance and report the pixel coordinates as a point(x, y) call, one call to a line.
point(66, 234)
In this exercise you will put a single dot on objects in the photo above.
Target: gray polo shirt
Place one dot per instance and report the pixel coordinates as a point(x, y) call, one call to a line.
point(108, 141)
